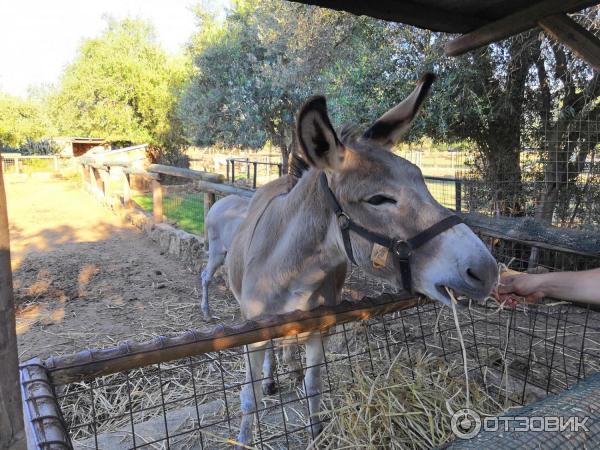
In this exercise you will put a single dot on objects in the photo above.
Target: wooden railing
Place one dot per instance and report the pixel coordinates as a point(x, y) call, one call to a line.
point(97, 177)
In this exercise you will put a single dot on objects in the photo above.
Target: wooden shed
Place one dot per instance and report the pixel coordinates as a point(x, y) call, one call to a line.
point(78, 146)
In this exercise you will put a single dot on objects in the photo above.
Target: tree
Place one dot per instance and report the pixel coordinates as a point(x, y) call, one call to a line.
point(21, 121)
point(122, 86)
point(254, 70)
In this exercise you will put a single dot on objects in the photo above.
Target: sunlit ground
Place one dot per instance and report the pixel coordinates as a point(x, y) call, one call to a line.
point(84, 279)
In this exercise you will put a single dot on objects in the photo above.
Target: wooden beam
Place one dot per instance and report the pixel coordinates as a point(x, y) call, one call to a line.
point(513, 24)
point(568, 32)
point(416, 14)
point(94, 363)
point(223, 189)
point(186, 173)
point(12, 431)
point(529, 231)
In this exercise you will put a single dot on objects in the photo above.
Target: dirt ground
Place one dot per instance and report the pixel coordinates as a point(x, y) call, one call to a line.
point(84, 279)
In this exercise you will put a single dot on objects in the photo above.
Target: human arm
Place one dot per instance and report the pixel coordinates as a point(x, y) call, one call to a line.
point(583, 286)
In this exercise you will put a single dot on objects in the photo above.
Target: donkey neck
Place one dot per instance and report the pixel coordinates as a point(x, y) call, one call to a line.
point(298, 230)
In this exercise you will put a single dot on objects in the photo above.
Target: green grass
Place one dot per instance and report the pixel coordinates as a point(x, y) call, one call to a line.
point(186, 210)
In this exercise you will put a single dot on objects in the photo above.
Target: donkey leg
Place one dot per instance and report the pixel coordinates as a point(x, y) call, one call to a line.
point(315, 358)
point(269, 367)
point(290, 358)
point(215, 260)
point(251, 394)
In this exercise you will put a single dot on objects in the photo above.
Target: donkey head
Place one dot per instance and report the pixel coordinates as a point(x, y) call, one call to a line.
point(386, 194)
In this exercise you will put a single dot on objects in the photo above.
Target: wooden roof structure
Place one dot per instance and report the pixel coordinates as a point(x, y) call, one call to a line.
point(482, 22)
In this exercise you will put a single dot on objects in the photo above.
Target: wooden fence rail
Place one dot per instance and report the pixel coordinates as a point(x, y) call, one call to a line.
point(95, 175)
point(94, 363)
point(527, 230)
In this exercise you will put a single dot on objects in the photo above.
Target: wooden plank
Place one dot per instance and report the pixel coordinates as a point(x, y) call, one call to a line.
point(515, 23)
point(223, 189)
point(142, 173)
point(94, 363)
point(186, 173)
point(12, 431)
point(568, 32)
point(412, 13)
point(532, 232)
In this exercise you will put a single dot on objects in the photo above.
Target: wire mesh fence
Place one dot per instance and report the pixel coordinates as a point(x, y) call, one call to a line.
point(384, 379)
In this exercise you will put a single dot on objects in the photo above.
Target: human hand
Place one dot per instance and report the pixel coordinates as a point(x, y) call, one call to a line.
point(519, 288)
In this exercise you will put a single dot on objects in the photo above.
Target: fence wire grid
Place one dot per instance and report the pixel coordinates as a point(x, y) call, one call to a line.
point(514, 357)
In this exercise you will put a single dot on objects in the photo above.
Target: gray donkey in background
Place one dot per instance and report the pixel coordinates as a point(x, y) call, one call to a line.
point(292, 250)
point(222, 222)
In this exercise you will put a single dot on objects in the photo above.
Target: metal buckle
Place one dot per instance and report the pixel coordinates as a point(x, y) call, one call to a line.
point(343, 220)
point(401, 249)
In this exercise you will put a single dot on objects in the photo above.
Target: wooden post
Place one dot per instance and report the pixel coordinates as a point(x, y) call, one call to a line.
point(12, 431)
point(126, 191)
point(209, 200)
point(157, 201)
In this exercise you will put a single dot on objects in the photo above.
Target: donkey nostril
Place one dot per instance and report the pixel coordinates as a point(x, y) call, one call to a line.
point(473, 275)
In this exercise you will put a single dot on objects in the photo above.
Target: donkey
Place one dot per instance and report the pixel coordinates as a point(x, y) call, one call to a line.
point(222, 222)
point(292, 251)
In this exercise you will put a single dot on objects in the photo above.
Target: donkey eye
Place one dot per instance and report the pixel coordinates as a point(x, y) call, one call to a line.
point(380, 200)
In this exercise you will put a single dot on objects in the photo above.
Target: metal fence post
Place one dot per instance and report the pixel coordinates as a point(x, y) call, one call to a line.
point(209, 200)
point(227, 165)
point(157, 201)
point(232, 171)
point(280, 167)
point(255, 164)
point(458, 195)
point(17, 164)
point(55, 163)
point(247, 168)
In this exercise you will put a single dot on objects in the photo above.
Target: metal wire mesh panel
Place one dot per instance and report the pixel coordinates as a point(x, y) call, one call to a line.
point(391, 381)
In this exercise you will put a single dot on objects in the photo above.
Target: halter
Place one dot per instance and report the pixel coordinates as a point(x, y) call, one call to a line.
point(402, 249)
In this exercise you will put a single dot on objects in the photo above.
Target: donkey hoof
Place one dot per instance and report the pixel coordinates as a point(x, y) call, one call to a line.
point(269, 388)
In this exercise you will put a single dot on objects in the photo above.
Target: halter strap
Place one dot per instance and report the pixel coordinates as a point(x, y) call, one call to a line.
point(401, 248)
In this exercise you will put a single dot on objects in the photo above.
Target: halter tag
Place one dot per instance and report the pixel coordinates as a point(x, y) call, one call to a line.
point(379, 256)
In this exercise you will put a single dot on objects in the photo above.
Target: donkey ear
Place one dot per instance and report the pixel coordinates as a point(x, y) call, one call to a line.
point(390, 127)
point(318, 141)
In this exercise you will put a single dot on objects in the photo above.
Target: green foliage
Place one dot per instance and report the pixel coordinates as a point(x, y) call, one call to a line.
point(21, 121)
point(122, 86)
